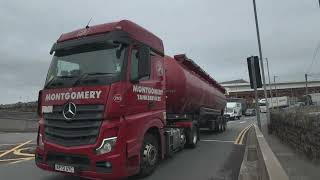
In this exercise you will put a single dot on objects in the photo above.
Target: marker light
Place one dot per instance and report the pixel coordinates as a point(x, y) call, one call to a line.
point(118, 27)
point(40, 141)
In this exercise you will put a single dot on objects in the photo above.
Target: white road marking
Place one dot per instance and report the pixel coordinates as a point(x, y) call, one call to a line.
point(231, 121)
point(243, 122)
point(215, 140)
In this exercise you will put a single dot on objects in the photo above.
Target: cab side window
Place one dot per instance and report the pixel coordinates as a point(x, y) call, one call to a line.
point(134, 64)
point(140, 64)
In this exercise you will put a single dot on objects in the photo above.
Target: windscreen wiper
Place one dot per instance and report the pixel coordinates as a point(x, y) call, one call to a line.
point(55, 78)
point(85, 75)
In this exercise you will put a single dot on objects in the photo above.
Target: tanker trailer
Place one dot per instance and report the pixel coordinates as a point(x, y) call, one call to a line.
point(192, 94)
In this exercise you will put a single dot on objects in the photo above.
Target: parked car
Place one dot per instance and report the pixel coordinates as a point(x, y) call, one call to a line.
point(250, 112)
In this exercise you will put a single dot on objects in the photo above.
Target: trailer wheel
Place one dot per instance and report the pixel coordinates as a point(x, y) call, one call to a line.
point(212, 126)
point(221, 126)
point(224, 122)
point(192, 137)
point(217, 126)
point(149, 155)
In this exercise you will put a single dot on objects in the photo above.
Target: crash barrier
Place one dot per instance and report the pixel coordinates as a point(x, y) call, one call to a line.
point(259, 162)
point(18, 121)
point(300, 128)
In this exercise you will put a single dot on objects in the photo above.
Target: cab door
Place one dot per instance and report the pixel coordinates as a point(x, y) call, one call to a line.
point(146, 81)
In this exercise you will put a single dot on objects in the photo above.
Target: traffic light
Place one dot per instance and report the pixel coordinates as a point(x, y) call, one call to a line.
point(254, 66)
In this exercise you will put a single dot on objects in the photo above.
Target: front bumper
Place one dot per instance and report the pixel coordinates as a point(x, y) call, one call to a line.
point(86, 161)
point(228, 116)
point(91, 170)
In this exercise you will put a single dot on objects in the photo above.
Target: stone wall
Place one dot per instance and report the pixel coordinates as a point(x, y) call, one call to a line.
point(300, 128)
point(12, 121)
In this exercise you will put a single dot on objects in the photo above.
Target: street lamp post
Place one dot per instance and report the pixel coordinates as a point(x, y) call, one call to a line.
point(275, 87)
point(261, 61)
point(270, 88)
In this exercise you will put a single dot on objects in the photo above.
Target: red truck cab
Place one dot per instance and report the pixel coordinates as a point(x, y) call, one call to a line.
point(103, 107)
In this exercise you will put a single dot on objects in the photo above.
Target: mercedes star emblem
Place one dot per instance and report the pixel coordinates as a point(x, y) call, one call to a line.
point(69, 111)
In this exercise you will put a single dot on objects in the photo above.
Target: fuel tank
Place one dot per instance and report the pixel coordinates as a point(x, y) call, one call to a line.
point(189, 89)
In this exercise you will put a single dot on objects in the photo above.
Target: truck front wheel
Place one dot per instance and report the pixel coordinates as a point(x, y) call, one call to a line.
point(149, 155)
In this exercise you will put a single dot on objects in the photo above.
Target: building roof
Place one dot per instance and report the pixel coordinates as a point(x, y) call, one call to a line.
point(245, 87)
point(237, 81)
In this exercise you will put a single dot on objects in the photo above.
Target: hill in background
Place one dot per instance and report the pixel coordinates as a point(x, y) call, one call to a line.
point(20, 106)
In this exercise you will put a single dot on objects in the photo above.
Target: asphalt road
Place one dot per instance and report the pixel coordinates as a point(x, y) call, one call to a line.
point(217, 157)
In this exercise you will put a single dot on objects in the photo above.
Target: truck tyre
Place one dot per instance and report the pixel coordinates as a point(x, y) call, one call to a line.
point(224, 122)
point(212, 126)
point(192, 137)
point(221, 126)
point(149, 155)
point(217, 126)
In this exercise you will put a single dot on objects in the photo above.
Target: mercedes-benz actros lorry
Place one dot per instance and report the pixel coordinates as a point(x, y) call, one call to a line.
point(114, 104)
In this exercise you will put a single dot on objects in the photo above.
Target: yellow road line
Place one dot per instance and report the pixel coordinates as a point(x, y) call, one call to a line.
point(25, 159)
point(238, 137)
point(15, 148)
point(17, 159)
point(244, 134)
point(241, 133)
point(14, 144)
point(19, 153)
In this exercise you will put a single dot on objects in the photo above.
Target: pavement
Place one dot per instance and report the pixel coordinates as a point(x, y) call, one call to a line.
point(296, 165)
point(217, 157)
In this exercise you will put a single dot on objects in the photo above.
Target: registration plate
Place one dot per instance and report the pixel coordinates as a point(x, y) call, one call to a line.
point(69, 169)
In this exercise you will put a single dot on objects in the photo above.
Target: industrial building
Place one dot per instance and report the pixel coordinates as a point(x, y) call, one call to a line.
point(241, 89)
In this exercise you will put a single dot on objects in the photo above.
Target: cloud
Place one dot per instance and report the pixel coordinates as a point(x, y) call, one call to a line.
point(218, 35)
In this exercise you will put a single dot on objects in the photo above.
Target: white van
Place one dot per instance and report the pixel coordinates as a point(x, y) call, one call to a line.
point(233, 110)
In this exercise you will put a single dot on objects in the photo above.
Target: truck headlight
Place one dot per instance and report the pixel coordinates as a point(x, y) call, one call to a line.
point(106, 145)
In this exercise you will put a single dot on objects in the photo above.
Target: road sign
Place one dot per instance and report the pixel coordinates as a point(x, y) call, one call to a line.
point(256, 74)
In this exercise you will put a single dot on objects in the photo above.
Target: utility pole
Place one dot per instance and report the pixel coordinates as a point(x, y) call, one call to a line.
point(254, 79)
point(261, 61)
point(307, 91)
point(270, 88)
point(306, 78)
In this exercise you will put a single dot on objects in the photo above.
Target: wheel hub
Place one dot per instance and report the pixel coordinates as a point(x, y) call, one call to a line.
point(150, 154)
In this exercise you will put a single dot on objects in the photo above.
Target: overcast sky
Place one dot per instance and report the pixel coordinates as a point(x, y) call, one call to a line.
point(217, 34)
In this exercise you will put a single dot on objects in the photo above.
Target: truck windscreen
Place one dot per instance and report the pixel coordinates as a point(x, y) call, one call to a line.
point(87, 65)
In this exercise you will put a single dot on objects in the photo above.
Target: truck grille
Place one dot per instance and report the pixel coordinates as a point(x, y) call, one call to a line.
point(83, 129)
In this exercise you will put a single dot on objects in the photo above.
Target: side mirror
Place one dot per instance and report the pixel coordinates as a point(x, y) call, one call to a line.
point(39, 111)
point(144, 62)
